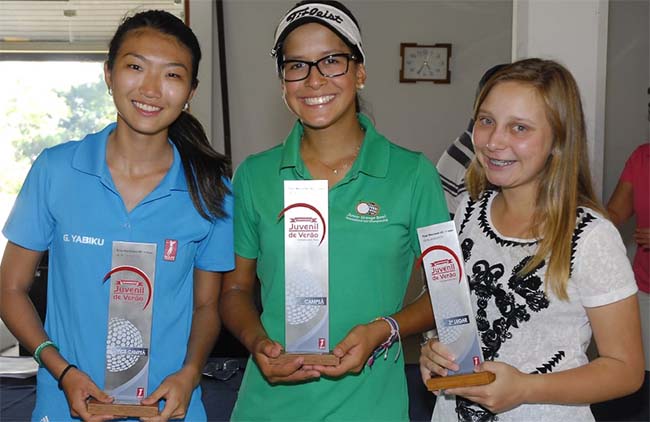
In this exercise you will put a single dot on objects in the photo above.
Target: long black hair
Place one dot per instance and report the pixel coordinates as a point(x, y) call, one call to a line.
point(205, 168)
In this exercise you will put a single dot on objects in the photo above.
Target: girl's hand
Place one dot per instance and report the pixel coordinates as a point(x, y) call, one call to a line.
point(506, 392)
point(435, 360)
point(355, 349)
point(176, 389)
point(266, 350)
point(642, 237)
point(78, 388)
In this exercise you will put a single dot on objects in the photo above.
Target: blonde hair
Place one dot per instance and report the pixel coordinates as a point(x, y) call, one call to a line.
point(565, 182)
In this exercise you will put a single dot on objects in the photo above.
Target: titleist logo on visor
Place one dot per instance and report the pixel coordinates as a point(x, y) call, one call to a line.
point(313, 11)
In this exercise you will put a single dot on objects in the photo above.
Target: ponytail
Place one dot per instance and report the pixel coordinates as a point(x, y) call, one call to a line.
point(205, 168)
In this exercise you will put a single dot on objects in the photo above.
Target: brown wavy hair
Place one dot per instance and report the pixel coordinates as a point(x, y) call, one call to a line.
point(566, 180)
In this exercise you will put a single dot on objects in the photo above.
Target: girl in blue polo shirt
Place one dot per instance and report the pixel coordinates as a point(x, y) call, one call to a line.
point(151, 177)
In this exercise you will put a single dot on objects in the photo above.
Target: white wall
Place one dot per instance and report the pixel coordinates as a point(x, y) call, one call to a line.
point(574, 33)
point(203, 105)
point(628, 78)
point(420, 116)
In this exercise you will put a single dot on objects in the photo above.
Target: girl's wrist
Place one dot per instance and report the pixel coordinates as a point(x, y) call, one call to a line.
point(386, 342)
point(192, 372)
point(380, 331)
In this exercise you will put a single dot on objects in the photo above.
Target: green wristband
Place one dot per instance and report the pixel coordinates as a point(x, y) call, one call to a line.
point(39, 349)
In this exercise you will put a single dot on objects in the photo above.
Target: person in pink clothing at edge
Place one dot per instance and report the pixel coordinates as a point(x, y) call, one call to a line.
point(632, 197)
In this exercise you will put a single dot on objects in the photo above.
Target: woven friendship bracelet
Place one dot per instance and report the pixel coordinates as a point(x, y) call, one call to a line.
point(392, 337)
point(39, 349)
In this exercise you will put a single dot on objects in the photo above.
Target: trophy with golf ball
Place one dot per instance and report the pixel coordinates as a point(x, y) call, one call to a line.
point(442, 260)
point(129, 330)
point(306, 272)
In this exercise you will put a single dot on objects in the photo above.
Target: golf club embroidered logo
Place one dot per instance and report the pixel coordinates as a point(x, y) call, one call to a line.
point(370, 209)
point(366, 212)
point(171, 247)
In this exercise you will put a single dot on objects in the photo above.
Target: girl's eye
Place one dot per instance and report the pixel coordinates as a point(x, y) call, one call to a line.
point(296, 66)
point(134, 66)
point(331, 60)
point(519, 128)
point(174, 75)
point(485, 121)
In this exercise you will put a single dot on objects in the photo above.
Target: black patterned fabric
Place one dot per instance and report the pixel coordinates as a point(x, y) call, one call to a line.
point(519, 320)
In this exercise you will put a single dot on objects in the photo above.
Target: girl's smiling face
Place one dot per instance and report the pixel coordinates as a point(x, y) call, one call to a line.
point(151, 80)
point(319, 101)
point(512, 136)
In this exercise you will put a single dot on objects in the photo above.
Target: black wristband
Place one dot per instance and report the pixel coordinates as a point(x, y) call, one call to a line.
point(65, 371)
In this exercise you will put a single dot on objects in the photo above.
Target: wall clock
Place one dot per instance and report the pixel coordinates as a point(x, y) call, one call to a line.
point(425, 63)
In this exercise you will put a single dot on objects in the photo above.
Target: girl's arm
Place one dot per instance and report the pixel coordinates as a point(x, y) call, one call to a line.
point(355, 349)
point(17, 311)
point(621, 204)
point(177, 388)
point(241, 317)
point(618, 371)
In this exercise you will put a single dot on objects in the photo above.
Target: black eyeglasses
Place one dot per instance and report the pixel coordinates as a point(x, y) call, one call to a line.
point(223, 370)
point(329, 66)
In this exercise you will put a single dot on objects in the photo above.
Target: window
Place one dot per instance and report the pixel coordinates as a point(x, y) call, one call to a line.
point(52, 88)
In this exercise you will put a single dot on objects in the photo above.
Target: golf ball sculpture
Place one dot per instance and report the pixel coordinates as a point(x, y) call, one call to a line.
point(122, 336)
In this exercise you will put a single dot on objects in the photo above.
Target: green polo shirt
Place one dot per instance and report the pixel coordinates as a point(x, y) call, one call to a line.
point(373, 215)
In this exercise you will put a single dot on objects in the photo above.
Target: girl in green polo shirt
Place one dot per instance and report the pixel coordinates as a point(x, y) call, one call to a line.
point(379, 194)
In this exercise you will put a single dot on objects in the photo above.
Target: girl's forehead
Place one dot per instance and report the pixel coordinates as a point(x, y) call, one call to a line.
point(313, 36)
point(151, 42)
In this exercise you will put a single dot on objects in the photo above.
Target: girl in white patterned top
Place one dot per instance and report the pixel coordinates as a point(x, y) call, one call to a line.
point(545, 267)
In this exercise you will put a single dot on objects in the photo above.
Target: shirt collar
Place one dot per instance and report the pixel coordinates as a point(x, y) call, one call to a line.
point(90, 158)
point(372, 160)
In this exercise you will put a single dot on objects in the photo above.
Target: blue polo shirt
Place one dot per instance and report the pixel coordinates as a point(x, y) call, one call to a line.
point(69, 205)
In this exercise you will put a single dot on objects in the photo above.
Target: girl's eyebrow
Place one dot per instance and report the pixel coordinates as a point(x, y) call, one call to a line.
point(144, 59)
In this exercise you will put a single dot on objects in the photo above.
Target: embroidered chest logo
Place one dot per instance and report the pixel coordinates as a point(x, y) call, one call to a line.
point(367, 208)
point(171, 247)
point(367, 212)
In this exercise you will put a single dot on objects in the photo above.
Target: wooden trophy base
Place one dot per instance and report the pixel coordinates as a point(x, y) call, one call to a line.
point(465, 380)
point(327, 359)
point(133, 410)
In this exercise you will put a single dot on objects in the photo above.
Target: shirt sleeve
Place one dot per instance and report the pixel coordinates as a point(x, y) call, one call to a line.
point(216, 251)
point(246, 220)
point(30, 223)
point(428, 201)
point(602, 271)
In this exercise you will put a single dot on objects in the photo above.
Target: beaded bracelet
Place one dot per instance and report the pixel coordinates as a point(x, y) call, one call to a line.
point(65, 371)
point(392, 337)
point(39, 349)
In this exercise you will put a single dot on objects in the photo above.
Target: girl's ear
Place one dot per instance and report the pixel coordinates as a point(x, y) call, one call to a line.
point(107, 77)
point(361, 74)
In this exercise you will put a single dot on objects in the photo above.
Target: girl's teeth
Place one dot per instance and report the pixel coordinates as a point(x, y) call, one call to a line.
point(146, 107)
point(501, 163)
point(319, 100)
